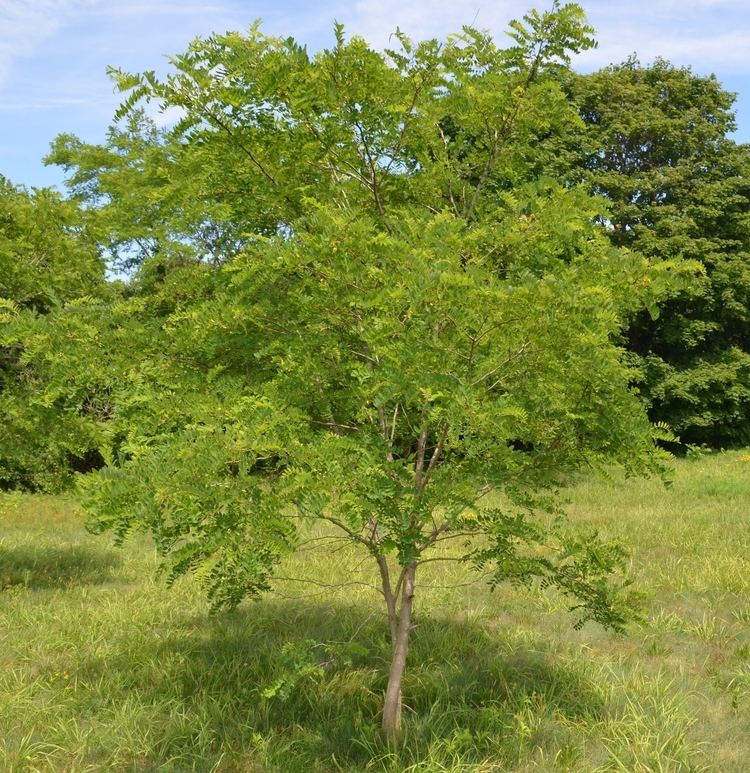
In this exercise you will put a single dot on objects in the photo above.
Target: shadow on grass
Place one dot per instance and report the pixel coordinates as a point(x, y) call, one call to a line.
point(290, 687)
point(44, 566)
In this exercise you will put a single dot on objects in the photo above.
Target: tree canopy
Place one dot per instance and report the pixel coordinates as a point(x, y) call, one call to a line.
point(656, 145)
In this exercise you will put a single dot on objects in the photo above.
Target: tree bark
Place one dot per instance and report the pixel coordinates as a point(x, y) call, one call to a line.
point(390, 598)
point(392, 707)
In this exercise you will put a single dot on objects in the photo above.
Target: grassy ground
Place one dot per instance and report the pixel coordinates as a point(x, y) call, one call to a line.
point(102, 668)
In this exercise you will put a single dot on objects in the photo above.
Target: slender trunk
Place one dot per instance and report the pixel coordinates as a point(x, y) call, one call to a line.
point(392, 706)
point(390, 597)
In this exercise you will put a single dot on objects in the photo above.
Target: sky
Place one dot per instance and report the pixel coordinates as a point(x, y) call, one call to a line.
point(54, 53)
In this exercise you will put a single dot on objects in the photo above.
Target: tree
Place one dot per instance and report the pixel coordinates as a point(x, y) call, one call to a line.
point(142, 199)
point(44, 263)
point(656, 146)
point(42, 260)
point(412, 324)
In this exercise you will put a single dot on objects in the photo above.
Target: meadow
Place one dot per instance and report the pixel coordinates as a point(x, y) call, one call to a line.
point(102, 667)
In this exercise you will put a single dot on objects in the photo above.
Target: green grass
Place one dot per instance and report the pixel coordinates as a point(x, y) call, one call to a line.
point(103, 668)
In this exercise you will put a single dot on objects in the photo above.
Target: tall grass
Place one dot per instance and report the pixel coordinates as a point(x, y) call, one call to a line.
point(103, 668)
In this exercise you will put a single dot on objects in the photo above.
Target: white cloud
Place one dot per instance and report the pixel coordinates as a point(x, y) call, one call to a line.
point(25, 25)
point(726, 51)
point(43, 104)
point(421, 19)
point(710, 34)
point(707, 34)
point(164, 118)
point(683, 5)
point(139, 10)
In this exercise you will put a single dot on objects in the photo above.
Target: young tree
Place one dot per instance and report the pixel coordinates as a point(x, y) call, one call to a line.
point(656, 145)
point(412, 324)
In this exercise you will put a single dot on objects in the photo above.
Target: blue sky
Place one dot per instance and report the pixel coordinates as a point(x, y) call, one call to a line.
point(53, 53)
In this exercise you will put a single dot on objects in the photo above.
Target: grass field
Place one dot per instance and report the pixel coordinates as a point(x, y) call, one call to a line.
point(103, 668)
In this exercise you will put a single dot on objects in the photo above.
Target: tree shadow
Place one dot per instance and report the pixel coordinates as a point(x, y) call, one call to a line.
point(298, 687)
point(43, 566)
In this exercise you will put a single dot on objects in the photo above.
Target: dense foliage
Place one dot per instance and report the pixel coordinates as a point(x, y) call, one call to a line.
point(656, 146)
point(45, 262)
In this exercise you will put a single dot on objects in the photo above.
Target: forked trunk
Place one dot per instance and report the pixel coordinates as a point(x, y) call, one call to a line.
point(392, 707)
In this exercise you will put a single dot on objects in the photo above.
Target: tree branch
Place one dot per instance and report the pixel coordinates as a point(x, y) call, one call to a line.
point(374, 187)
point(419, 461)
point(436, 454)
point(353, 534)
point(505, 362)
point(308, 581)
point(388, 595)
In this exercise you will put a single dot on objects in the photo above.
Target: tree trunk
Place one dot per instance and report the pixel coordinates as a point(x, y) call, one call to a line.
point(392, 707)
